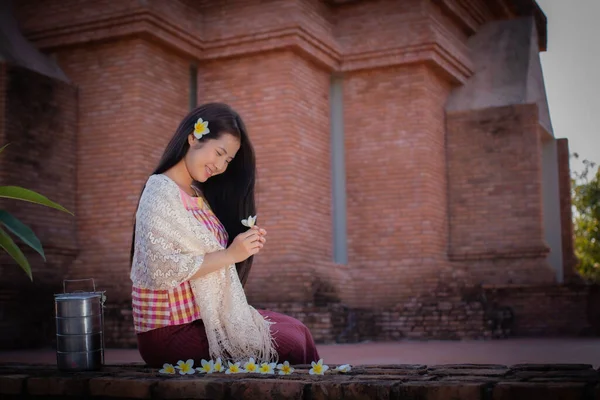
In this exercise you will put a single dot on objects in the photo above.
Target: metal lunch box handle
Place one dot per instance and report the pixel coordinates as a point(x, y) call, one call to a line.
point(77, 280)
point(103, 297)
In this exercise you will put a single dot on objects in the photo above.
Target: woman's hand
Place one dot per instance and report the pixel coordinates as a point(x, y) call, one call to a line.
point(261, 231)
point(247, 244)
point(244, 245)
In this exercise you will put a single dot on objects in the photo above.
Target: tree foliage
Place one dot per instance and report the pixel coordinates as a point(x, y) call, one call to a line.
point(585, 187)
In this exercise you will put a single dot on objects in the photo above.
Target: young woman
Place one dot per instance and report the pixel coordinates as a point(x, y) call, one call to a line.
point(191, 254)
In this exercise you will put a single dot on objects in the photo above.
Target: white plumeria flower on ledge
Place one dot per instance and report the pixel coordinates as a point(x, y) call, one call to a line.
point(208, 367)
point(219, 366)
point(318, 368)
point(249, 222)
point(233, 368)
point(267, 368)
point(344, 368)
point(201, 128)
point(251, 366)
point(285, 368)
point(167, 369)
point(186, 368)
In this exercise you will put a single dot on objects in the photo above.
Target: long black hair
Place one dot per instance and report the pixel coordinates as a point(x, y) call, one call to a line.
point(230, 194)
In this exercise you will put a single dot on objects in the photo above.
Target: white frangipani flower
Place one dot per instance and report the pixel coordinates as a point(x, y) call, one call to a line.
point(185, 368)
point(249, 222)
point(208, 367)
point(218, 367)
point(318, 368)
point(167, 369)
point(251, 366)
point(285, 368)
point(201, 128)
point(344, 368)
point(233, 368)
point(267, 368)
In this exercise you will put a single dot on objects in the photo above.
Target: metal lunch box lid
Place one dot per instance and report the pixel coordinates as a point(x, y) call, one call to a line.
point(79, 294)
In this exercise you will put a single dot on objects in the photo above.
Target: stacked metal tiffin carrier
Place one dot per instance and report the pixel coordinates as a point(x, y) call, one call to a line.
point(79, 330)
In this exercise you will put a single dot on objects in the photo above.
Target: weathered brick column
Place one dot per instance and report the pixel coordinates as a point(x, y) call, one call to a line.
point(395, 88)
point(38, 120)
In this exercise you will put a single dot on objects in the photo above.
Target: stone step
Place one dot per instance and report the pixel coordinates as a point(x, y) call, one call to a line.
point(464, 381)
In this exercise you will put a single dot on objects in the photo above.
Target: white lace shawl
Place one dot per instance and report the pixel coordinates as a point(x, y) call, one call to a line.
point(170, 244)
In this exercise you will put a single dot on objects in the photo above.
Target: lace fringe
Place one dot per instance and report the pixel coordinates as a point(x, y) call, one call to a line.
point(234, 329)
point(262, 347)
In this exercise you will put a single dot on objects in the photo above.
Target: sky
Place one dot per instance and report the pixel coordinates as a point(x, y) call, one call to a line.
point(571, 68)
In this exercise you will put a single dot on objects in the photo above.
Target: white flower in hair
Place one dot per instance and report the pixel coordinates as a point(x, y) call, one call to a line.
point(249, 222)
point(201, 128)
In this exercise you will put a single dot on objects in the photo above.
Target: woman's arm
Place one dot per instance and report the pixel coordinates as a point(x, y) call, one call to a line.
point(245, 245)
point(172, 247)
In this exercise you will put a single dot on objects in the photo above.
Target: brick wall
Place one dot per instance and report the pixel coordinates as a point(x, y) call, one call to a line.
point(39, 121)
point(458, 312)
point(396, 219)
point(495, 199)
point(71, 12)
point(127, 113)
point(420, 183)
point(288, 123)
point(545, 310)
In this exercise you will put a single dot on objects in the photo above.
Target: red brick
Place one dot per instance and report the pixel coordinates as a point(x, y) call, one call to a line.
point(440, 390)
point(57, 386)
point(131, 388)
point(538, 391)
point(12, 384)
point(203, 387)
point(267, 388)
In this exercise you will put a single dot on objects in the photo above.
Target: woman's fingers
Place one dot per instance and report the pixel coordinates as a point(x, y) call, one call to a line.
point(254, 239)
point(253, 235)
point(260, 230)
point(248, 233)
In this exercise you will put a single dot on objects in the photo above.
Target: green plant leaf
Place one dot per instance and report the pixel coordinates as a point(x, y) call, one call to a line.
point(3, 147)
point(11, 248)
point(19, 193)
point(22, 231)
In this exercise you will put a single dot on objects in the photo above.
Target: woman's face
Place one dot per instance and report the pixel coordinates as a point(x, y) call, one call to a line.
point(210, 157)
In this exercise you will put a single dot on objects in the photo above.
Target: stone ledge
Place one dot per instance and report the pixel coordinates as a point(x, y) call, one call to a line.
point(457, 381)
